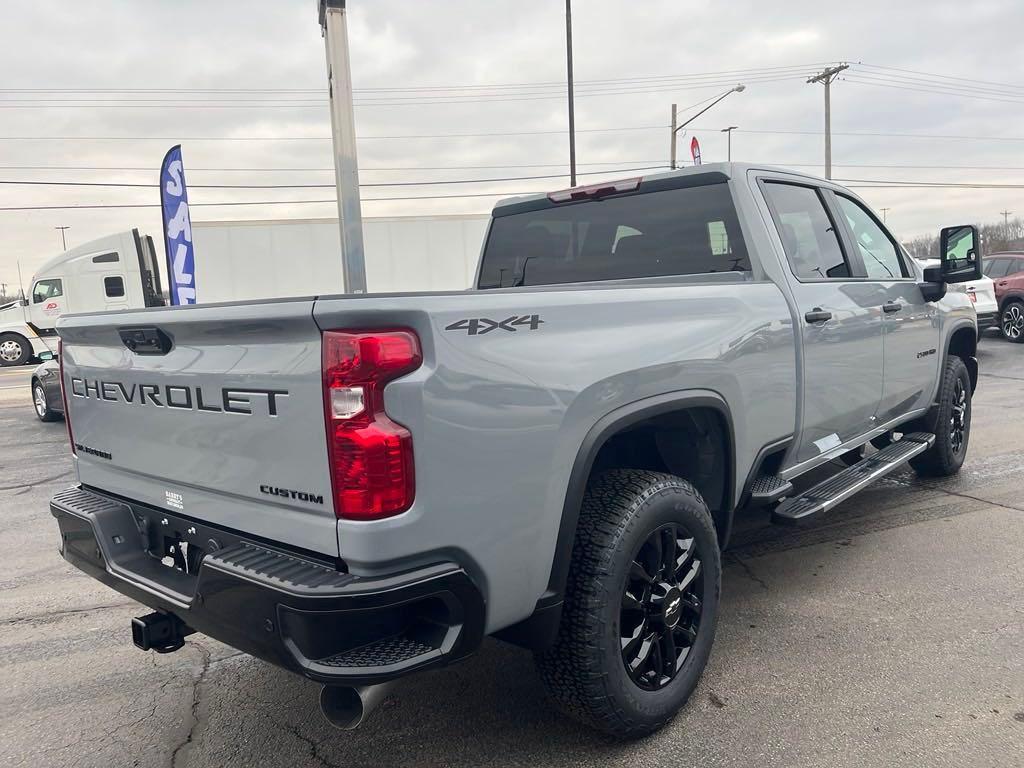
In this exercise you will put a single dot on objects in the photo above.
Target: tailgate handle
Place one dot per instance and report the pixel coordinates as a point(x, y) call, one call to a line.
point(146, 341)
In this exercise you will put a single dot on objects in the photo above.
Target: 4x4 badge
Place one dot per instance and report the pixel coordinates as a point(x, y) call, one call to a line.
point(481, 325)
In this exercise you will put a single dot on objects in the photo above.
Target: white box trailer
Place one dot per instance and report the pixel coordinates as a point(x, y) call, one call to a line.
point(238, 260)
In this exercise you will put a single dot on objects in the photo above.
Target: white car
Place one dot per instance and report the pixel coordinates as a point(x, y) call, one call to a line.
point(981, 292)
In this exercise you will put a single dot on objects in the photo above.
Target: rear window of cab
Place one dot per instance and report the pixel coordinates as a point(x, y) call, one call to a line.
point(686, 231)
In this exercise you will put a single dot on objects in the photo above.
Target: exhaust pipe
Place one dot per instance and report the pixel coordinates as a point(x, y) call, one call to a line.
point(348, 708)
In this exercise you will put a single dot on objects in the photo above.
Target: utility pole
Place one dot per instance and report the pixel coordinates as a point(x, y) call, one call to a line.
point(1006, 220)
point(728, 132)
point(672, 144)
point(572, 105)
point(884, 212)
point(63, 240)
point(826, 77)
point(334, 27)
point(676, 128)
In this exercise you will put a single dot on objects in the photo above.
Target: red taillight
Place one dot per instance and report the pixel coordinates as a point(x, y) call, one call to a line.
point(370, 455)
point(64, 395)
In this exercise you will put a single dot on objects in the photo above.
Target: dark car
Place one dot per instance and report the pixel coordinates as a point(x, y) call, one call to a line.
point(46, 397)
point(1007, 272)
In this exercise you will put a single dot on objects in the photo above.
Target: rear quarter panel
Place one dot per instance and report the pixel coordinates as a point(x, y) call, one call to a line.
point(498, 418)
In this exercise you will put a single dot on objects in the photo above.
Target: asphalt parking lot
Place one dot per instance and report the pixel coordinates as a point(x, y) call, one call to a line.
point(889, 633)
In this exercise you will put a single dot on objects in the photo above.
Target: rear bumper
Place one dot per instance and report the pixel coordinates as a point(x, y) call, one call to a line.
point(987, 320)
point(295, 612)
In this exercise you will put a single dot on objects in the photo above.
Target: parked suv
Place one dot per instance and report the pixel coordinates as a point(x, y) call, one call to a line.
point(1007, 272)
point(360, 487)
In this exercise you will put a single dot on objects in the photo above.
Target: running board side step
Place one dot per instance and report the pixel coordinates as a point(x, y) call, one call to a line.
point(843, 485)
point(768, 489)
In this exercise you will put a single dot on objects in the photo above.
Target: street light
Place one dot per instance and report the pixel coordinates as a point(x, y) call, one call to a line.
point(676, 128)
point(63, 239)
point(728, 132)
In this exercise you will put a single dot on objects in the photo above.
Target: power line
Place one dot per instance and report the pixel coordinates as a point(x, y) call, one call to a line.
point(499, 134)
point(324, 169)
point(860, 80)
point(877, 134)
point(394, 102)
point(852, 183)
point(470, 86)
point(931, 74)
point(945, 86)
point(406, 168)
point(134, 185)
point(926, 184)
point(97, 206)
point(651, 87)
point(552, 132)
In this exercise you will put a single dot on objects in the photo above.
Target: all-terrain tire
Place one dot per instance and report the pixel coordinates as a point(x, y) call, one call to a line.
point(584, 671)
point(950, 420)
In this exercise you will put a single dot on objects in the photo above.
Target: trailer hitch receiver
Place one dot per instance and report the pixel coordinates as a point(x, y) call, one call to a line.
point(160, 632)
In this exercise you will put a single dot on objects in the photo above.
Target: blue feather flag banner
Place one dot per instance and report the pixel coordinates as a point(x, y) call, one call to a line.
point(181, 264)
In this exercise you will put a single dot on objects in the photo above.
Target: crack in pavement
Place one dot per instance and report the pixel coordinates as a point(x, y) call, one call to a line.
point(978, 499)
point(37, 482)
point(745, 567)
point(54, 615)
point(112, 735)
point(196, 685)
point(314, 746)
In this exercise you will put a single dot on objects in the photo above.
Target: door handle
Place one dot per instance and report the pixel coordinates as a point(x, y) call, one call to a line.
point(1001, 283)
point(892, 306)
point(817, 315)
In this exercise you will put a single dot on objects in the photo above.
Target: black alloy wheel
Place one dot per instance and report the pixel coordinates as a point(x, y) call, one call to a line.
point(957, 417)
point(661, 607)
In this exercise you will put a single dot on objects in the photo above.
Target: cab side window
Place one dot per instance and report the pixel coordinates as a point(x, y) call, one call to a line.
point(808, 234)
point(113, 286)
point(877, 250)
point(47, 289)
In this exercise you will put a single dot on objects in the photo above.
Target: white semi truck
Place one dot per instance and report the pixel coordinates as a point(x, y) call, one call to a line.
point(239, 260)
point(119, 271)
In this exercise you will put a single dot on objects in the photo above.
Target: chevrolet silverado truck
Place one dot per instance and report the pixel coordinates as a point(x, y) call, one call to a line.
point(360, 487)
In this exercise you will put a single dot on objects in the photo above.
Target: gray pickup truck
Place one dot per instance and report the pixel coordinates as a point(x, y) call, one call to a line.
point(359, 487)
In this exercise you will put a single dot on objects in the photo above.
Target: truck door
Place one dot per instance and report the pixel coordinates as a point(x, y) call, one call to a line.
point(910, 324)
point(839, 317)
point(48, 303)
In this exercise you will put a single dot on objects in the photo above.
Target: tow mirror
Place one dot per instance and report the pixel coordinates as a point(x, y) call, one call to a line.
point(959, 254)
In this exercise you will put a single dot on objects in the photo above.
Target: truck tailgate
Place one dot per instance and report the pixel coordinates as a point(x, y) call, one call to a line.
point(216, 414)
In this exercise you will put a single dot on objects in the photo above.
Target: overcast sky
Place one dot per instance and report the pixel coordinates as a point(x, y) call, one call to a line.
point(276, 44)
